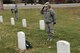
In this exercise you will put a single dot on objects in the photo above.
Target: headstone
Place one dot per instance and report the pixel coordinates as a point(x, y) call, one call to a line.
point(63, 47)
point(21, 40)
point(42, 25)
point(12, 21)
point(24, 24)
point(1, 19)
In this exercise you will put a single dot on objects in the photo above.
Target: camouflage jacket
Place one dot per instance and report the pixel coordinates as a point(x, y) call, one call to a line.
point(49, 15)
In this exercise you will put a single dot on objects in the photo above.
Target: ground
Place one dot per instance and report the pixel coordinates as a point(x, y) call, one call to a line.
point(67, 28)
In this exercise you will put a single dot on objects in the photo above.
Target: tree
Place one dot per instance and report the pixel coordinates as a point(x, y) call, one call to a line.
point(1, 5)
point(25, 1)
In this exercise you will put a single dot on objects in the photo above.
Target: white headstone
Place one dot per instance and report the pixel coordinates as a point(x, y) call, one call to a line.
point(24, 24)
point(12, 21)
point(42, 25)
point(1, 19)
point(63, 47)
point(21, 40)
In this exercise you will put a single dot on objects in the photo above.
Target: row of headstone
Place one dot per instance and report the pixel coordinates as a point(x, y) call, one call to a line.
point(62, 46)
point(24, 23)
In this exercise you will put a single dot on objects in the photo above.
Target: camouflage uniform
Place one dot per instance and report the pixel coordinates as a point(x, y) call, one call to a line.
point(15, 11)
point(49, 18)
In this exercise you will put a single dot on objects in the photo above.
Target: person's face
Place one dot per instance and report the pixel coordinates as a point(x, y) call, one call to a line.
point(46, 6)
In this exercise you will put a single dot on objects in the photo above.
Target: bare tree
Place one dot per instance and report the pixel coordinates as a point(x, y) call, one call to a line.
point(1, 5)
point(25, 1)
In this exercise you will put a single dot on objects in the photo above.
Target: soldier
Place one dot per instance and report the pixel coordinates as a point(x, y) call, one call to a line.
point(49, 18)
point(15, 11)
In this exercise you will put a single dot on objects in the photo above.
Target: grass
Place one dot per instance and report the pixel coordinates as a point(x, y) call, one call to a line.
point(67, 28)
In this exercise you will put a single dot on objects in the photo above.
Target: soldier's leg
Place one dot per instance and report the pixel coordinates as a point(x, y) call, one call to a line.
point(16, 15)
point(47, 30)
point(50, 31)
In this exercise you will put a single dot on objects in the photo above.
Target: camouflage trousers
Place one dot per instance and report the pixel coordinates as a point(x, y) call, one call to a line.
point(16, 15)
point(50, 30)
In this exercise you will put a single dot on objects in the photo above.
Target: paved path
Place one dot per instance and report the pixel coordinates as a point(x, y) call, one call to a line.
point(22, 6)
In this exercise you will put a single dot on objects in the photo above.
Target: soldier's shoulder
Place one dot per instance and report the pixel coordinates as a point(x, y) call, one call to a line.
point(51, 9)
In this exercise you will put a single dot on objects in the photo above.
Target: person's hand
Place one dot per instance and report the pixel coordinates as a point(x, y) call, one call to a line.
point(54, 22)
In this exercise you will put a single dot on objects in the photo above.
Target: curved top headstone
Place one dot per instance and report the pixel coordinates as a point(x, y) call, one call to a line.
point(21, 40)
point(63, 47)
point(64, 42)
point(1, 19)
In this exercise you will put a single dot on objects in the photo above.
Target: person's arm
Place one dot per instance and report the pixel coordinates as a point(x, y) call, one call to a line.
point(42, 10)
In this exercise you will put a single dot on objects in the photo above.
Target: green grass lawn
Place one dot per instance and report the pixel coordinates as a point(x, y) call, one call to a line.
point(67, 28)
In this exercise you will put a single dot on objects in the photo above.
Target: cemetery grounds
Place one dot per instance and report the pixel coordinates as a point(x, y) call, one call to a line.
point(67, 28)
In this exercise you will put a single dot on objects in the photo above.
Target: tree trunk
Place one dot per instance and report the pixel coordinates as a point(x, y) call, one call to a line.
point(19, 1)
point(1, 5)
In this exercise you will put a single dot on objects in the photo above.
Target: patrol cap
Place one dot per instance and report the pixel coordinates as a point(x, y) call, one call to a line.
point(47, 4)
